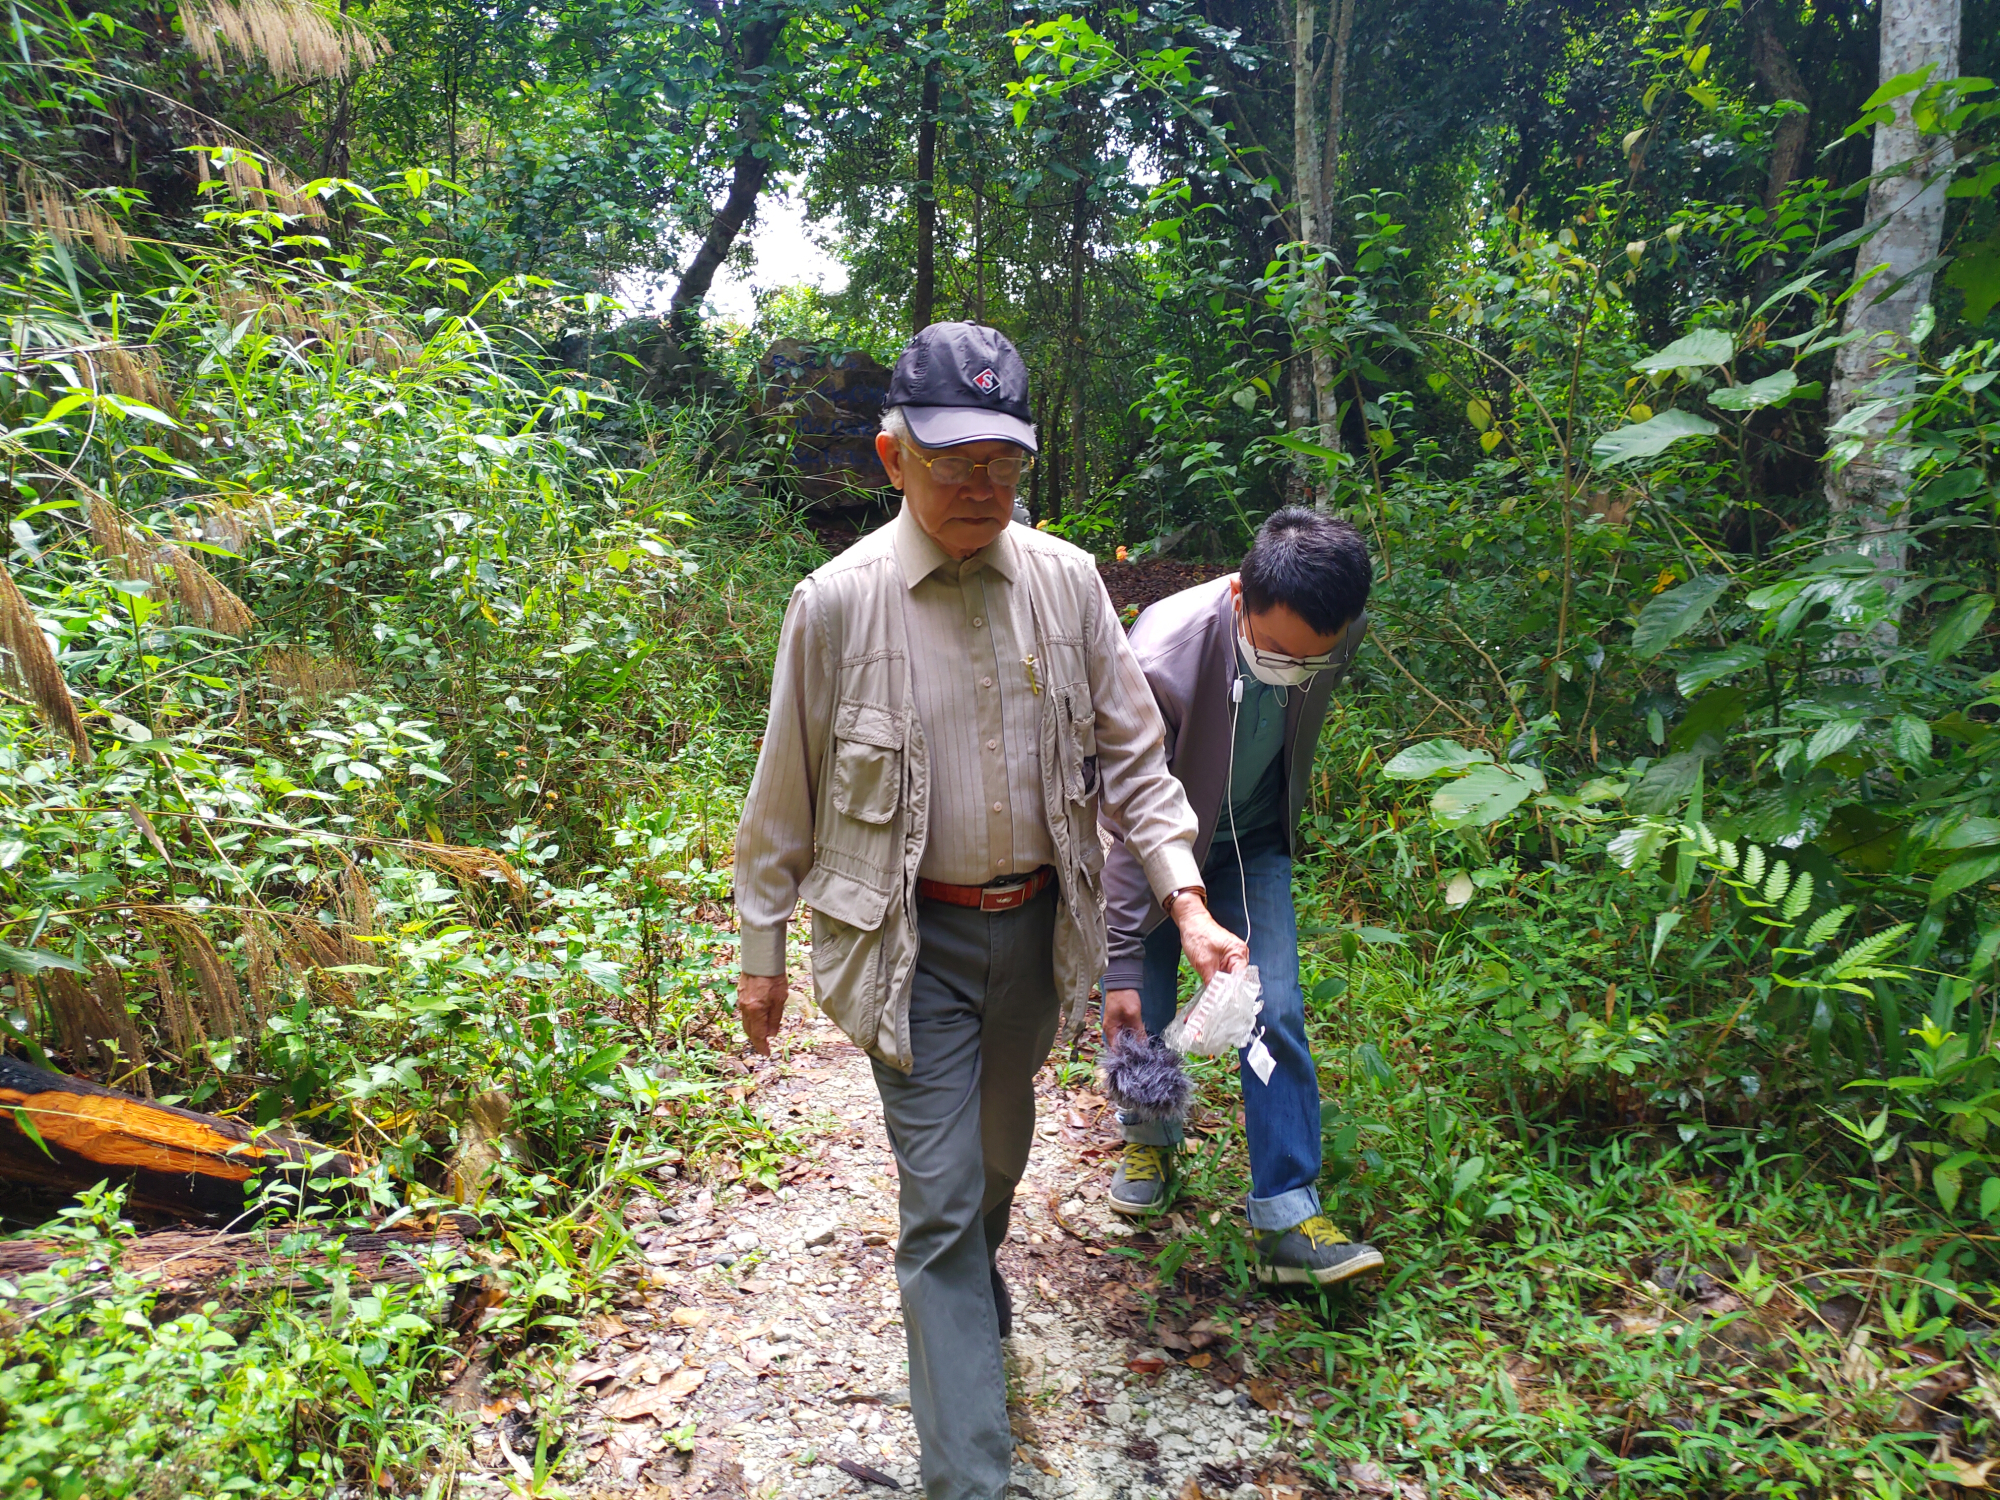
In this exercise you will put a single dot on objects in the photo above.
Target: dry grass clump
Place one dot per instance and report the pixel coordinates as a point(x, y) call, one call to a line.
point(257, 184)
point(28, 666)
point(68, 221)
point(366, 332)
point(202, 597)
point(296, 39)
point(135, 374)
point(308, 675)
point(95, 1028)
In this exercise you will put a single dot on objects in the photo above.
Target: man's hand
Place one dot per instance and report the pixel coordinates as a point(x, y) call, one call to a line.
point(1121, 1013)
point(760, 1001)
point(1209, 946)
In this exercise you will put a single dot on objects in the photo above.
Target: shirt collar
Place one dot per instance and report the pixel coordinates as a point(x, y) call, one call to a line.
point(920, 556)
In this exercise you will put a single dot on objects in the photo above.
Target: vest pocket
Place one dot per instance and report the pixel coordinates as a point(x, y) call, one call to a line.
point(867, 762)
point(846, 950)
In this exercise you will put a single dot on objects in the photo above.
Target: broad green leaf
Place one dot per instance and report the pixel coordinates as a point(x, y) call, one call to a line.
point(1649, 439)
point(1468, 1173)
point(1666, 784)
point(1663, 927)
point(1717, 665)
point(1485, 795)
point(1973, 833)
point(1433, 758)
point(1831, 737)
point(1958, 627)
point(1674, 613)
point(1955, 878)
point(1637, 846)
point(1699, 350)
point(32, 961)
point(27, 1127)
point(1911, 739)
point(1772, 390)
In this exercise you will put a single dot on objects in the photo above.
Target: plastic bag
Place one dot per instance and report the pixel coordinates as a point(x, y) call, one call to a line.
point(1222, 1018)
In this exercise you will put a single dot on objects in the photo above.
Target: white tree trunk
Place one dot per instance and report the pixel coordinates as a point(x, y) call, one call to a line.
point(1866, 499)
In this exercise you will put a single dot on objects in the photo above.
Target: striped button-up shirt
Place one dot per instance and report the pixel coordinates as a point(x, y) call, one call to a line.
point(981, 718)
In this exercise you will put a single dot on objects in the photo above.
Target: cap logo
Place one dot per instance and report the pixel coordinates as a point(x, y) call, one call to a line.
point(986, 380)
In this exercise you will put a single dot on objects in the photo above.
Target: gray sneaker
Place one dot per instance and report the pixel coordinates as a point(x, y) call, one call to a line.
point(1313, 1253)
point(1139, 1186)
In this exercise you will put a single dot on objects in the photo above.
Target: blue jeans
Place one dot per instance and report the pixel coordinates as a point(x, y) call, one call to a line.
point(1281, 1117)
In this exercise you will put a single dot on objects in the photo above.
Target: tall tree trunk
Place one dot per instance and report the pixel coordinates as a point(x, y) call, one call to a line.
point(746, 180)
point(921, 306)
point(1079, 353)
point(1326, 378)
point(1781, 79)
point(979, 250)
point(1308, 180)
point(1866, 498)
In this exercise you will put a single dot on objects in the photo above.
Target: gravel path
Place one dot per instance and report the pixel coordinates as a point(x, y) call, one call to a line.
point(760, 1352)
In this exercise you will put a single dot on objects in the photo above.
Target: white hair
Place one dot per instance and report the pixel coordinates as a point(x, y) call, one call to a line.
point(897, 425)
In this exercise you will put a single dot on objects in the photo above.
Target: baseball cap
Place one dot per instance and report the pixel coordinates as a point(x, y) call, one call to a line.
point(963, 383)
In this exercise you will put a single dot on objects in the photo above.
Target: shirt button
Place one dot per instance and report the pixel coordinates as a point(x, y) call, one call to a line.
point(996, 807)
point(977, 622)
point(986, 682)
point(999, 864)
point(992, 744)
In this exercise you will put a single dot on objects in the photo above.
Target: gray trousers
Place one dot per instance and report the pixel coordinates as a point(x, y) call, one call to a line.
point(983, 1015)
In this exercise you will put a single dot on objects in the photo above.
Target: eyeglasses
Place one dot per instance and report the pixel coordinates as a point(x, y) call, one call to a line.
point(953, 469)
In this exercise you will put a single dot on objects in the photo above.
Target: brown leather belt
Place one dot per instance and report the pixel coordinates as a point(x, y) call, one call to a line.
point(987, 897)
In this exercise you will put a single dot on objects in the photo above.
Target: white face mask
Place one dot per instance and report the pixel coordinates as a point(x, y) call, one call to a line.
point(1274, 668)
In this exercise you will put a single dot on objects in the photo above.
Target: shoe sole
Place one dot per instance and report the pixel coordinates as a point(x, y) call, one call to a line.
point(1356, 1265)
point(1134, 1210)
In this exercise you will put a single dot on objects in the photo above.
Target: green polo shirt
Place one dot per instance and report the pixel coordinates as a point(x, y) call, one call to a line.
point(1256, 781)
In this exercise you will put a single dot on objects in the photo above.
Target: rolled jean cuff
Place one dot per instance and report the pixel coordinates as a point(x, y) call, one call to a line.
point(1283, 1211)
point(1150, 1132)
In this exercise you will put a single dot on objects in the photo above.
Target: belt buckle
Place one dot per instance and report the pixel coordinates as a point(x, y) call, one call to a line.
point(1005, 900)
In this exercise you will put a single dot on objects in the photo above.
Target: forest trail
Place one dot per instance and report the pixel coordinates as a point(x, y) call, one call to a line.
point(763, 1345)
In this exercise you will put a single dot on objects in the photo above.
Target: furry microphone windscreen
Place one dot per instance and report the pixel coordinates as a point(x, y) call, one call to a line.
point(1143, 1077)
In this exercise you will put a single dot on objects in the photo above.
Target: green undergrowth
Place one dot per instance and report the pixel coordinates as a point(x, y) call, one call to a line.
point(1575, 1302)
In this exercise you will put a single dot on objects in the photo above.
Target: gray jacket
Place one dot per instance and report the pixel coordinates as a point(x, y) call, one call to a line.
point(1187, 646)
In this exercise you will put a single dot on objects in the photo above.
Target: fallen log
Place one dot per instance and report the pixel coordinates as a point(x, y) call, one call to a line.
point(183, 1260)
point(69, 1134)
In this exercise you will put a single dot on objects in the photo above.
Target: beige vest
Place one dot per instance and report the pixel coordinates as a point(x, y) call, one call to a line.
point(871, 819)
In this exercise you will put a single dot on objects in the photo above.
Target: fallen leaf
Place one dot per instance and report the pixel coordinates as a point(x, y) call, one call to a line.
point(1200, 1361)
point(1192, 1490)
point(865, 1474)
point(1147, 1364)
point(1266, 1393)
point(690, 1317)
point(1369, 1478)
point(1175, 1342)
point(683, 1383)
point(590, 1372)
point(1972, 1476)
point(1076, 1121)
point(640, 1401)
point(492, 1411)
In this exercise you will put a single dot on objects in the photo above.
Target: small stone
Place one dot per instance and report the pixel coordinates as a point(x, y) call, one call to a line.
point(1118, 1414)
point(820, 1236)
point(745, 1239)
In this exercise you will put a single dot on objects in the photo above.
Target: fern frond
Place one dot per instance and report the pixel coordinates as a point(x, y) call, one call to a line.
point(1726, 854)
point(1753, 863)
point(1801, 897)
point(1868, 950)
point(1823, 929)
point(1779, 882)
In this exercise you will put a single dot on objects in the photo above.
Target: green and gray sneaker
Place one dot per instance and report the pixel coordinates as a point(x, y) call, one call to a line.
point(1313, 1253)
point(1139, 1186)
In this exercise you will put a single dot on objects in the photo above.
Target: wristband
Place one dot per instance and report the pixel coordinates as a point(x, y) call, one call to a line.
point(1174, 895)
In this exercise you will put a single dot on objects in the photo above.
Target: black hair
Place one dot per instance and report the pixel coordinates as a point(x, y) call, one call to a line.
point(1314, 565)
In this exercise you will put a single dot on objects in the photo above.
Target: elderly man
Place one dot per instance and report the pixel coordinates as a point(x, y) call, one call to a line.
point(1243, 669)
point(953, 698)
